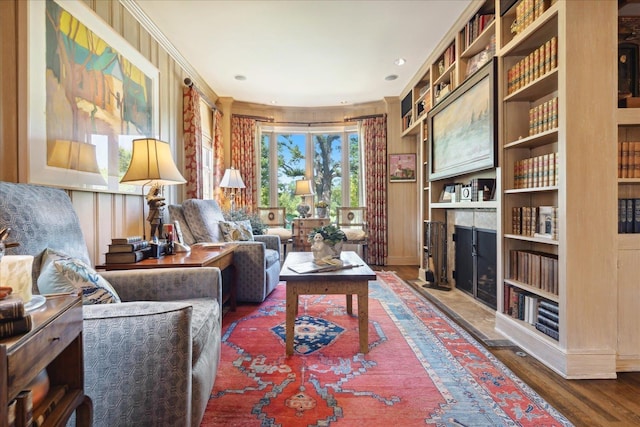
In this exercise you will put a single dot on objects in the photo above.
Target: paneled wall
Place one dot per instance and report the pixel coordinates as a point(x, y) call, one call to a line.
point(104, 215)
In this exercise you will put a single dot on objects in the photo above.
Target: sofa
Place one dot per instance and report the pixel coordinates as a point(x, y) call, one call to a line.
point(257, 259)
point(150, 359)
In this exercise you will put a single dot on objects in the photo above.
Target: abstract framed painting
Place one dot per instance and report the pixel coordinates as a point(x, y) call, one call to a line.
point(90, 94)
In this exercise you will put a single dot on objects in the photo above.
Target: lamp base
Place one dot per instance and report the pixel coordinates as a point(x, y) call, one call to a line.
point(304, 210)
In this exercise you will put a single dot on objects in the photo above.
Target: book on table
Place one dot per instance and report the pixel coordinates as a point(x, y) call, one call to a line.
point(313, 267)
point(127, 257)
point(128, 247)
point(125, 240)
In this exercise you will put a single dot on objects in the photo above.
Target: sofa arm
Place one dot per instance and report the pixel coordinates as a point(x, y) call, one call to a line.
point(166, 284)
point(126, 342)
point(271, 241)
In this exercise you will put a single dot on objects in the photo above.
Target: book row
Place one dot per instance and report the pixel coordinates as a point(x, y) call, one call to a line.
point(628, 216)
point(543, 117)
point(538, 171)
point(528, 11)
point(536, 221)
point(448, 58)
point(474, 28)
point(24, 411)
point(541, 61)
point(629, 159)
point(536, 269)
point(536, 311)
point(124, 250)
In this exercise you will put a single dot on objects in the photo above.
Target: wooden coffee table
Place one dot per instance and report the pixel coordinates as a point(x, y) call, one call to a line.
point(221, 257)
point(349, 281)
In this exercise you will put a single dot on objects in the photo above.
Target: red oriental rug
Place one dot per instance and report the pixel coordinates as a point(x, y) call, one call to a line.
point(421, 369)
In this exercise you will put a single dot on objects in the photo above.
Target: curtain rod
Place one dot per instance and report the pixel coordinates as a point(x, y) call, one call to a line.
point(189, 82)
point(370, 116)
point(256, 118)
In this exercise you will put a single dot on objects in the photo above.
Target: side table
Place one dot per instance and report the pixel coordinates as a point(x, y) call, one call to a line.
point(301, 227)
point(199, 256)
point(55, 343)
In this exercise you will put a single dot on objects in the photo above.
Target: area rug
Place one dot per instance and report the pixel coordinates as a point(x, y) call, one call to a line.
point(421, 368)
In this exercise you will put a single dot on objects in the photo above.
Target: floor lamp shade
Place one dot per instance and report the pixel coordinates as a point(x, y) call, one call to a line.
point(151, 161)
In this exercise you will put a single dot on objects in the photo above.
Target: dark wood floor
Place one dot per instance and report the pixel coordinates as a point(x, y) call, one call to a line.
point(584, 402)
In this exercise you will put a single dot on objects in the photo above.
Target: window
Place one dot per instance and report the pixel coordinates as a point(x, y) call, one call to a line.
point(330, 157)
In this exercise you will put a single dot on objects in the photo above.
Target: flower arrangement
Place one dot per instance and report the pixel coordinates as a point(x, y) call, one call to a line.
point(322, 204)
point(330, 233)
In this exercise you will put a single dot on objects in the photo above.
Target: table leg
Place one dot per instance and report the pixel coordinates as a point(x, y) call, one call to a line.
point(292, 308)
point(350, 304)
point(363, 318)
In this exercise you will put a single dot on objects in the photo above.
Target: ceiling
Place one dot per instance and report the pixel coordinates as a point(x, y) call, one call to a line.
point(303, 53)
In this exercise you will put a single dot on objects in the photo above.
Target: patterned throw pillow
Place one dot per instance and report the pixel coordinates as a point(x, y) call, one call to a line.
point(234, 231)
point(62, 274)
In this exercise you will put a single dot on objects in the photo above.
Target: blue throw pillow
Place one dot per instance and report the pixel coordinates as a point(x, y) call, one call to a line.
point(61, 273)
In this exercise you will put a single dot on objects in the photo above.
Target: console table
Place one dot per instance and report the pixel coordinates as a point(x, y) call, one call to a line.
point(54, 343)
point(199, 256)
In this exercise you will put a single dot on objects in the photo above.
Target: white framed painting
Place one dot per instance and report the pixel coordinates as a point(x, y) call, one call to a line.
point(90, 94)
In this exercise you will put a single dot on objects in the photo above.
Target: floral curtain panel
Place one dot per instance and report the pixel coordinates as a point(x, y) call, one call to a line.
point(374, 136)
point(218, 157)
point(243, 158)
point(192, 143)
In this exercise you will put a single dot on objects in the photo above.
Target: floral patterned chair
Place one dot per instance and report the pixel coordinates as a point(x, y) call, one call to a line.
point(151, 359)
point(257, 259)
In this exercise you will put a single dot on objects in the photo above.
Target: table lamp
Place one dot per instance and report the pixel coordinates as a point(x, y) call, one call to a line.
point(231, 181)
point(303, 189)
point(152, 163)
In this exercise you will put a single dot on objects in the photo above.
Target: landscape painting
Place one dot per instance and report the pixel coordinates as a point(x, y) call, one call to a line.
point(462, 129)
point(101, 94)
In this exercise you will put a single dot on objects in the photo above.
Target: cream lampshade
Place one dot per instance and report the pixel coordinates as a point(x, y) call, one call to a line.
point(304, 188)
point(152, 163)
point(231, 182)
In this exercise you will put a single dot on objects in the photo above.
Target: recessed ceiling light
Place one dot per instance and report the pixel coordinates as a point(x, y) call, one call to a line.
point(400, 61)
point(240, 77)
point(391, 77)
point(274, 102)
point(344, 102)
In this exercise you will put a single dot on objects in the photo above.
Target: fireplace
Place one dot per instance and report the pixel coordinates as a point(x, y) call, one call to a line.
point(475, 263)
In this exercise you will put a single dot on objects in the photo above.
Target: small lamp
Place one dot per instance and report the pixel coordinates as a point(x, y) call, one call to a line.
point(152, 163)
point(303, 189)
point(231, 181)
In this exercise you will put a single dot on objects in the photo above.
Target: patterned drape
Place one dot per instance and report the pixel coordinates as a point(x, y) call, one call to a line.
point(218, 157)
point(192, 143)
point(243, 158)
point(374, 142)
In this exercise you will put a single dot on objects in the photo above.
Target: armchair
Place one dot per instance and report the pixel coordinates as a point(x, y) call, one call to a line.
point(353, 221)
point(257, 262)
point(153, 357)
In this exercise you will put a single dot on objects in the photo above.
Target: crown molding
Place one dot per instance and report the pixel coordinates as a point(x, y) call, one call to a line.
point(155, 32)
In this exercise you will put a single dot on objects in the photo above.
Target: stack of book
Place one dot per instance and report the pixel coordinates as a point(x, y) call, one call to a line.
point(24, 411)
point(124, 250)
point(547, 321)
point(13, 318)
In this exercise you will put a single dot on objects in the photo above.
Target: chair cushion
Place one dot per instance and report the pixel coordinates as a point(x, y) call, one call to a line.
point(271, 257)
point(62, 274)
point(284, 233)
point(203, 217)
point(354, 234)
point(234, 231)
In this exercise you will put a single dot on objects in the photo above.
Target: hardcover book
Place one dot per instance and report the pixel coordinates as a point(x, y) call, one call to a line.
point(128, 247)
point(11, 308)
point(125, 240)
point(10, 328)
point(127, 257)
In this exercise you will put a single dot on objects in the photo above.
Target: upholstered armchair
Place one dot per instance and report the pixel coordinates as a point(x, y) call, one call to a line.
point(353, 221)
point(148, 360)
point(275, 218)
point(257, 261)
